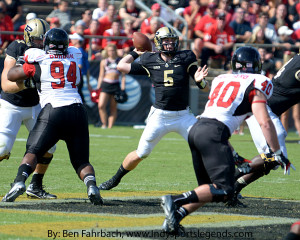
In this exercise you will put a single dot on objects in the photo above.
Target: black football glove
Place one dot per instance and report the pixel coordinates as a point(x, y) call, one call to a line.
point(241, 163)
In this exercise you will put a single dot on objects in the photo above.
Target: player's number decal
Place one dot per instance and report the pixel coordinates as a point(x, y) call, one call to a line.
point(168, 81)
point(57, 72)
point(266, 87)
point(219, 96)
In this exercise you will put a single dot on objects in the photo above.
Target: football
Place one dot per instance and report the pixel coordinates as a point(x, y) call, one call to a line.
point(141, 42)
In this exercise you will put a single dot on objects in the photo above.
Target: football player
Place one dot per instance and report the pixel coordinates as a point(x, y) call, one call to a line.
point(169, 70)
point(21, 104)
point(286, 93)
point(63, 117)
point(232, 98)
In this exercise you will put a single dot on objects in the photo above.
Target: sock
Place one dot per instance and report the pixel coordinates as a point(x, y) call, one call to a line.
point(185, 198)
point(239, 185)
point(23, 173)
point(89, 180)
point(37, 179)
point(182, 213)
point(120, 173)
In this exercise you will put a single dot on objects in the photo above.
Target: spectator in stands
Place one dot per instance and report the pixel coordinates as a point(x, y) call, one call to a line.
point(281, 54)
point(281, 17)
point(116, 31)
point(242, 28)
point(77, 41)
point(192, 14)
point(150, 31)
point(218, 42)
point(29, 16)
point(224, 6)
point(128, 10)
point(106, 21)
point(63, 14)
point(202, 26)
point(86, 18)
point(54, 23)
point(269, 29)
point(110, 84)
point(128, 29)
point(268, 65)
point(14, 9)
point(249, 16)
point(100, 10)
point(291, 10)
point(156, 9)
point(258, 36)
point(94, 43)
point(4, 26)
point(7, 18)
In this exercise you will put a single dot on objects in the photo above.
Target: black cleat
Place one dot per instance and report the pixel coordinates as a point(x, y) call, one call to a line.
point(94, 195)
point(109, 184)
point(171, 224)
point(36, 191)
point(16, 190)
point(235, 202)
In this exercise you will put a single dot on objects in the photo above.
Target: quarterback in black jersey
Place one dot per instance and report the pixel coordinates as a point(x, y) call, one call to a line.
point(169, 71)
point(20, 104)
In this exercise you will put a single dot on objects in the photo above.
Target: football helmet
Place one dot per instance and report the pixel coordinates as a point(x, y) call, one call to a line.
point(246, 60)
point(166, 32)
point(35, 29)
point(56, 41)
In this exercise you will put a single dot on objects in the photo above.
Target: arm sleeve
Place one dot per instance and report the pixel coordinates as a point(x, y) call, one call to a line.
point(138, 69)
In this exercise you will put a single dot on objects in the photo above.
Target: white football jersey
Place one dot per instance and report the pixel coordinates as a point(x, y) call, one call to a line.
point(57, 76)
point(229, 97)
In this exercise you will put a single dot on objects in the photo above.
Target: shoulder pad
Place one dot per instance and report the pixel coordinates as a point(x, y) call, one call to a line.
point(263, 84)
point(34, 55)
point(75, 51)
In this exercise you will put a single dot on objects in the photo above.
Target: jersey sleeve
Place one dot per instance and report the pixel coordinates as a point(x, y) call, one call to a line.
point(264, 85)
point(16, 49)
point(34, 55)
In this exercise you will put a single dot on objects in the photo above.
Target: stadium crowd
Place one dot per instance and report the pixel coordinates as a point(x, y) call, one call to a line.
point(213, 26)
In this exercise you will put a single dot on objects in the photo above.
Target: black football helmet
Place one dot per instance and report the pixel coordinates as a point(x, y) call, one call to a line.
point(56, 41)
point(246, 60)
point(166, 32)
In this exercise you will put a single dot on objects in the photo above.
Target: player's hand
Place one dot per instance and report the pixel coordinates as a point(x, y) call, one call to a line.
point(242, 163)
point(283, 162)
point(139, 52)
point(201, 73)
point(29, 83)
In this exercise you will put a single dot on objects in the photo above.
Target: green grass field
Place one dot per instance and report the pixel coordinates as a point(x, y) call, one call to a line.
point(168, 169)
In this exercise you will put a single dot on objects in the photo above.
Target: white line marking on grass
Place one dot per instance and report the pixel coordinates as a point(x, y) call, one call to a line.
point(110, 136)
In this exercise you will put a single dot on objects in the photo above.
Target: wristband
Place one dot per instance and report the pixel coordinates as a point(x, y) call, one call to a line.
point(201, 84)
point(134, 54)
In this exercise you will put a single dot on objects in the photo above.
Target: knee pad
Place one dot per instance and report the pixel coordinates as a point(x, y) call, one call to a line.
point(219, 195)
point(44, 160)
point(268, 166)
point(144, 154)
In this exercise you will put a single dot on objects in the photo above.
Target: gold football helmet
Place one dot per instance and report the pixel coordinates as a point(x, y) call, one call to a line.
point(166, 32)
point(35, 29)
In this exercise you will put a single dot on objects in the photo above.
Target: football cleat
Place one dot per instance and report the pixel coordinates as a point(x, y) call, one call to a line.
point(109, 184)
point(16, 190)
point(36, 191)
point(5, 157)
point(94, 195)
point(171, 224)
point(235, 202)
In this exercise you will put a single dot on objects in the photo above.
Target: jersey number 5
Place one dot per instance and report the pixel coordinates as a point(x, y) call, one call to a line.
point(57, 72)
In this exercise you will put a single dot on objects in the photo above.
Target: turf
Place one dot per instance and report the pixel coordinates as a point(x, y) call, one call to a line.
point(168, 168)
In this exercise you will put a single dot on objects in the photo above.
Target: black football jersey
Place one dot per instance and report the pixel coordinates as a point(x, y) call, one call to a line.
point(170, 79)
point(27, 97)
point(286, 90)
